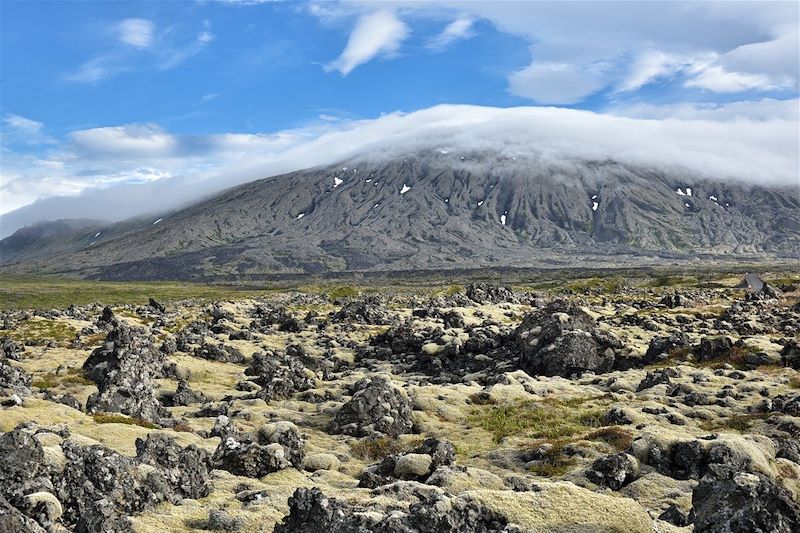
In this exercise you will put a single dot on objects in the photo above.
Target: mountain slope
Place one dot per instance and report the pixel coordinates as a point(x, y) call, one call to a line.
point(440, 209)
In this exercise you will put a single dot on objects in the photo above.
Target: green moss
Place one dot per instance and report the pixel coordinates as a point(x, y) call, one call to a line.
point(36, 292)
point(43, 331)
point(107, 418)
point(51, 380)
point(740, 423)
point(794, 382)
point(596, 285)
point(343, 291)
point(548, 419)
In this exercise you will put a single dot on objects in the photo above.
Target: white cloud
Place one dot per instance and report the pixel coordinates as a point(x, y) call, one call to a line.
point(717, 78)
point(136, 32)
point(459, 29)
point(578, 48)
point(375, 34)
point(21, 130)
point(756, 110)
point(554, 83)
point(144, 49)
point(749, 141)
point(147, 140)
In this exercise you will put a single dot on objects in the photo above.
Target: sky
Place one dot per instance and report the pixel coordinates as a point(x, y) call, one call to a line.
point(159, 102)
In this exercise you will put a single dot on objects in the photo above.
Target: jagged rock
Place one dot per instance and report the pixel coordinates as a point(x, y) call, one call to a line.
point(219, 352)
point(417, 465)
point(368, 310)
point(180, 472)
point(377, 407)
point(279, 316)
point(186, 396)
point(125, 369)
point(676, 516)
point(657, 377)
point(241, 335)
point(275, 447)
point(13, 380)
point(102, 515)
point(157, 306)
point(661, 347)
point(614, 471)
point(674, 300)
point(310, 511)
point(10, 349)
point(93, 474)
point(790, 354)
point(13, 521)
point(279, 376)
point(21, 460)
point(561, 340)
point(485, 293)
point(728, 500)
point(766, 292)
point(711, 348)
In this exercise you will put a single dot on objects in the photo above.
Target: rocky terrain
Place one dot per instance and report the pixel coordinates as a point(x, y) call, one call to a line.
point(646, 406)
point(426, 210)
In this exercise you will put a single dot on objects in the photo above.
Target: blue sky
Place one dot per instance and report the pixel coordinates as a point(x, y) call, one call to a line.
point(101, 94)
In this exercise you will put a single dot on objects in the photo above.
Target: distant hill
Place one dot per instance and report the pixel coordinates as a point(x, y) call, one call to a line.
point(430, 209)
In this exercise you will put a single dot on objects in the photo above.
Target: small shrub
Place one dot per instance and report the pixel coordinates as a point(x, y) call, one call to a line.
point(740, 423)
point(373, 449)
point(620, 438)
point(183, 427)
point(554, 463)
point(48, 381)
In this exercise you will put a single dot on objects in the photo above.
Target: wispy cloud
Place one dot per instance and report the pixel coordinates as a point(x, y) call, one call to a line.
point(21, 130)
point(751, 141)
point(140, 45)
point(459, 29)
point(136, 32)
point(376, 34)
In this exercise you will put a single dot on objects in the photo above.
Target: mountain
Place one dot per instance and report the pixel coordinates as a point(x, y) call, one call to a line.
point(434, 209)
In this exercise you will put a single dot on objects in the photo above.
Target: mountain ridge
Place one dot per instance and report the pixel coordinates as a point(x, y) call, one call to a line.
point(438, 209)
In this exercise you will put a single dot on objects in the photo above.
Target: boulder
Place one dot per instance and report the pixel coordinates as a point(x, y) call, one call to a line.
point(728, 500)
point(125, 369)
point(561, 340)
point(376, 408)
point(279, 376)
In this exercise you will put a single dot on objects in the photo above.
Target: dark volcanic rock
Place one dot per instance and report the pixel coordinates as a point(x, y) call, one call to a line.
point(279, 376)
point(10, 349)
point(711, 348)
point(185, 395)
point(731, 501)
point(484, 293)
point(125, 369)
point(310, 511)
point(377, 407)
point(275, 447)
point(219, 352)
point(13, 380)
point(561, 340)
point(662, 347)
point(614, 471)
point(364, 311)
point(179, 472)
